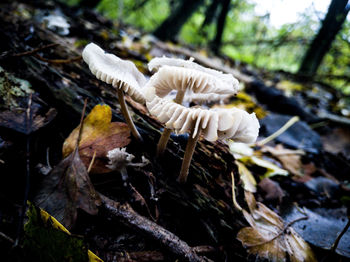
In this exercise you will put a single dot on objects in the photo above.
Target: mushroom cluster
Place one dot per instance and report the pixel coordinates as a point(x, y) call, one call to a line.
point(185, 76)
point(188, 79)
point(213, 124)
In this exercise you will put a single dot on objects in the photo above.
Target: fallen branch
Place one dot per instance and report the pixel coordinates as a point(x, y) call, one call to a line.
point(129, 217)
point(58, 61)
point(30, 52)
point(7, 238)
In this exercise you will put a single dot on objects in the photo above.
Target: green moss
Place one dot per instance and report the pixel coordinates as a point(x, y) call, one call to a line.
point(11, 89)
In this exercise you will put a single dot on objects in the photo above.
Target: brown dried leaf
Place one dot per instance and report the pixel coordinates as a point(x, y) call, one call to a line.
point(272, 190)
point(268, 237)
point(290, 159)
point(67, 188)
point(99, 135)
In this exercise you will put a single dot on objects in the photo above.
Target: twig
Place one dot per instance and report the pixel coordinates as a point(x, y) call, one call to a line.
point(29, 120)
point(203, 249)
point(7, 238)
point(287, 125)
point(281, 232)
point(129, 217)
point(91, 162)
point(58, 61)
point(33, 51)
point(81, 125)
point(234, 200)
point(336, 242)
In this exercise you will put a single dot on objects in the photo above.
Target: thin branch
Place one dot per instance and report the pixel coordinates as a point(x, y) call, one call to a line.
point(81, 125)
point(7, 238)
point(287, 125)
point(281, 232)
point(28, 123)
point(129, 217)
point(336, 242)
point(33, 51)
point(58, 61)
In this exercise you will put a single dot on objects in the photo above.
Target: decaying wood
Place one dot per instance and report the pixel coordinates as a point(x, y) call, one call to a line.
point(129, 217)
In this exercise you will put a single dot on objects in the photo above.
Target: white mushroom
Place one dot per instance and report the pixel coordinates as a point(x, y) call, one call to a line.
point(183, 76)
point(158, 62)
point(213, 124)
point(205, 98)
point(121, 74)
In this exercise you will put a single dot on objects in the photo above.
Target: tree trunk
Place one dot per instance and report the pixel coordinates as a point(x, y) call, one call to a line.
point(211, 12)
point(216, 43)
point(89, 3)
point(170, 28)
point(320, 45)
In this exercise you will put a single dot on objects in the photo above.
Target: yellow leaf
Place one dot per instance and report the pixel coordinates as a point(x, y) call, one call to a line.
point(245, 102)
point(268, 236)
point(271, 169)
point(55, 224)
point(289, 87)
point(99, 135)
point(249, 182)
point(290, 159)
point(238, 150)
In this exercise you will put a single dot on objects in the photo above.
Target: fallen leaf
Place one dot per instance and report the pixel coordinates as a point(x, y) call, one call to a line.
point(99, 135)
point(15, 119)
point(271, 169)
point(238, 150)
point(322, 228)
point(49, 241)
point(289, 87)
point(66, 188)
point(245, 102)
point(249, 182)
point(268, 237)
point(272, 190)
point(290, 159)
point(337, 141)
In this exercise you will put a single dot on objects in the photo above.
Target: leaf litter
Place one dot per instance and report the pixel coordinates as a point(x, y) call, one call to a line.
point(68, 187)
point(99, 136)
point(48, 240)
point(268, 236)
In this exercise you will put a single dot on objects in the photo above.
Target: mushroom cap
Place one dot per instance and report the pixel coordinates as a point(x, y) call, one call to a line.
point(215, 124)
point(178, 74)
point(205, 98)
point(115, 71)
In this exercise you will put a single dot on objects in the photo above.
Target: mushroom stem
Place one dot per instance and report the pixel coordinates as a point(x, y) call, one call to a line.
point(127, 116)
point(163, 141)
point(191, 145)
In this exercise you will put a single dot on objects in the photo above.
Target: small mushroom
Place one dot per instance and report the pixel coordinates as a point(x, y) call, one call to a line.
point(121, 74)
point(213, 124)
point(185, 76)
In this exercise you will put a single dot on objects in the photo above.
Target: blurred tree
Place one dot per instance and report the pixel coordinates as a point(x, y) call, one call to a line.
point(183, 10)
point(211, 13)
point(320, 45)
point(89, 3)
point(220, 25)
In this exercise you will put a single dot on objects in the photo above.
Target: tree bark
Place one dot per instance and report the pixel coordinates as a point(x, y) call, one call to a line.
point(211, 12)
point(170, 28)
point(320, 45)
point(216, 43)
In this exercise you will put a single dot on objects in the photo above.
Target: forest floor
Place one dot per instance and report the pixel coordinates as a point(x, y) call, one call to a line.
point(295, 186)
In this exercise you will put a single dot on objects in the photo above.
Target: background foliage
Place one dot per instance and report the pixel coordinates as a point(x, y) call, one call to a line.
point(247, 37)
